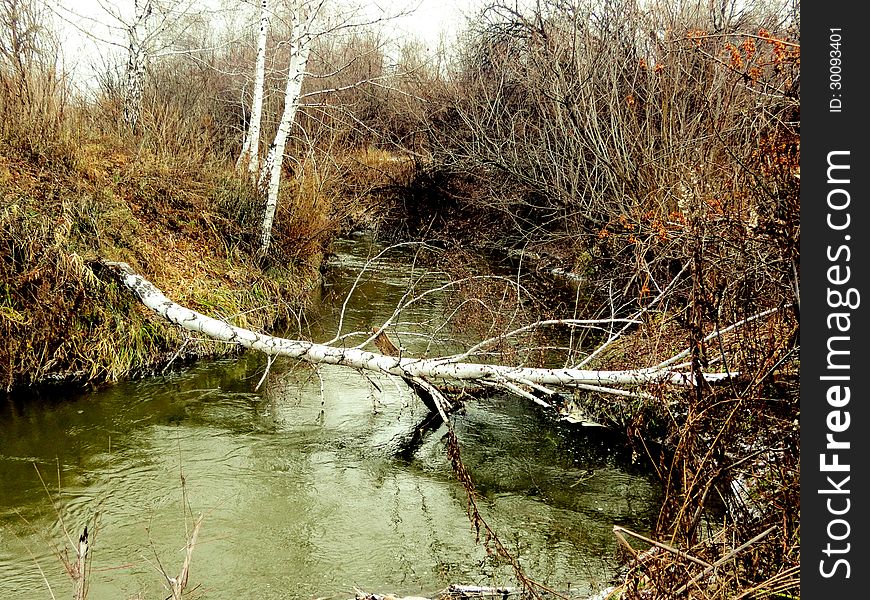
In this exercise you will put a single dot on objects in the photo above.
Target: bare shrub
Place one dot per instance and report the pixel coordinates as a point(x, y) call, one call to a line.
point(655, 140)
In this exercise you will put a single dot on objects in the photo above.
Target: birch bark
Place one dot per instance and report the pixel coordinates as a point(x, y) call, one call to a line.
point(137, 55)
point(270, 176)
point(251, 148)
point(505, 376)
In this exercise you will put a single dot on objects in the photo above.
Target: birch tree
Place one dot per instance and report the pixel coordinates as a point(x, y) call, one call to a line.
point(250, 154)
point(303, 14)
point(133, 34)
point(137, 56)
point(301, 19)
point(150, 31)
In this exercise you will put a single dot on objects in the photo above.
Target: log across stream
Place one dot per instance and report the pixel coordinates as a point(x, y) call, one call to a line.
point(302, 483)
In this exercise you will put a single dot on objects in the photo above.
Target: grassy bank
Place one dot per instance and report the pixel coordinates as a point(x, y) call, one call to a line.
point(190, 229)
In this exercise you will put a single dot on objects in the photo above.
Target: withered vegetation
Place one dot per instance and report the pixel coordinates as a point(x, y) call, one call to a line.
point(642, 147)
point(77, 185)
point(650, 148)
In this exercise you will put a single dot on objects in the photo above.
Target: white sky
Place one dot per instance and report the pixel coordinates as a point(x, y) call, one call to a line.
point(431, 18)
point(428, 21)
point(88, 19)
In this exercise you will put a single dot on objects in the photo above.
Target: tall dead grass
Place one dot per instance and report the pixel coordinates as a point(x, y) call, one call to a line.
point(167, 202)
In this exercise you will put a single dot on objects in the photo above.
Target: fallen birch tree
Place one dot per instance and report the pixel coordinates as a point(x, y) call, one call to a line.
point(515, 379)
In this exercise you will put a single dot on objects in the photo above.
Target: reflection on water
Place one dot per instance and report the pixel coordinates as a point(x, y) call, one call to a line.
point(301, 484)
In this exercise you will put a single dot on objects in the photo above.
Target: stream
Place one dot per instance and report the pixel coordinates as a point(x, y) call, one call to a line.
point(306, 485)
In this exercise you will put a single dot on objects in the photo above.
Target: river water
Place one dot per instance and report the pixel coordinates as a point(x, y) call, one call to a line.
point(308, 485)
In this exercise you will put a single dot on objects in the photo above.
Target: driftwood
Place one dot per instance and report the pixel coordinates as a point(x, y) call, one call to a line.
point(384, 343)
point(454, 591)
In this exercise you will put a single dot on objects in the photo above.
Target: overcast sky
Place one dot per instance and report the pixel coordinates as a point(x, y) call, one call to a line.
point(427, 20)
point(87, 30)
point(432, 17)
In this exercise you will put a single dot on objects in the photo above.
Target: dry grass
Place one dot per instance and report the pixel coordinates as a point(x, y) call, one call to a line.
point(71, 195)
point(356, 183)
point(75, 187)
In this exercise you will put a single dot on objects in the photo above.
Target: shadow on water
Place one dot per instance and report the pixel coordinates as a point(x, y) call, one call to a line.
point(303, 483)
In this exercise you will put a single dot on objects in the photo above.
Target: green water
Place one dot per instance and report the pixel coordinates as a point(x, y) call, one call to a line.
point(308, 485)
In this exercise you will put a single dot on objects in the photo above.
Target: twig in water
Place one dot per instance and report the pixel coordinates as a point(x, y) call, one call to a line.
point(269, 361)
point(176, 355)
point(479, 523)
point(36, 562)
point(178, 584)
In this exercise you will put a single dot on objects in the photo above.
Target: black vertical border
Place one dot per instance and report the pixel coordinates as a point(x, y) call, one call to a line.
point(824, 131)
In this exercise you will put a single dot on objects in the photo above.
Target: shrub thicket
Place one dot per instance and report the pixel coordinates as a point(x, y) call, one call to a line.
point(659, 144)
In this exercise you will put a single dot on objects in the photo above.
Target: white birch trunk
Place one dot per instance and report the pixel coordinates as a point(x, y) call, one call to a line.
point(251, 149)
point(270, 177)
point(505, 376)
point(134, 75)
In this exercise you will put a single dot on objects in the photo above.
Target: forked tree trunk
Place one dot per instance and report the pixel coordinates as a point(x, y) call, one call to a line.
point(270, 176)
point(137, 55)
point(250, 155)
